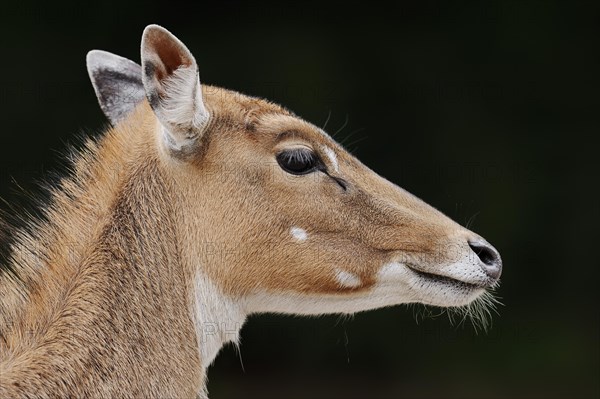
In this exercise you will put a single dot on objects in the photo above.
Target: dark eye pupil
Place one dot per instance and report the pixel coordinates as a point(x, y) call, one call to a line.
point(298, 161)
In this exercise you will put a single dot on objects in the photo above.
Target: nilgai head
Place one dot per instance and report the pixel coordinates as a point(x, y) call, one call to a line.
point(279, 216)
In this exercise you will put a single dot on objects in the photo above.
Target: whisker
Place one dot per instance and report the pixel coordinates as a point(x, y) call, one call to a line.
point(326, 120)
point(351, 146)
point(344, 140)
point(357, 141)
point(343, 126)
point(479, 312)
point(472, 219)
point(422, 312)
point(239, 352)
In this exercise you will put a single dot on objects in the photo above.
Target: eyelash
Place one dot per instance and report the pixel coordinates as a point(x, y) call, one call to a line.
point(302, 161)
point(299, 161)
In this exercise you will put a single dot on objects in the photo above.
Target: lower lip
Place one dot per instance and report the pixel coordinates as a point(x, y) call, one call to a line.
point(446, 280)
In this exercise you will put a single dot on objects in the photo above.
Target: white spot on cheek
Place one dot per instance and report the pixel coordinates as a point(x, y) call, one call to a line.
point(347, 279)
point(299, 234)
point(393, 271)
point(332, 158)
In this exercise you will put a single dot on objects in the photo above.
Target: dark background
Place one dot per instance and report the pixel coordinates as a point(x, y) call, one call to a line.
point(485, 110)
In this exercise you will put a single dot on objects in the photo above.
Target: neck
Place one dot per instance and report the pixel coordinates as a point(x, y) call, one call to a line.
point(218, 319)
point(120, 300)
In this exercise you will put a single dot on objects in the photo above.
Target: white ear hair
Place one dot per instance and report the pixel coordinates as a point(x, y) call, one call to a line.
point(172, 86)
point(117, 82)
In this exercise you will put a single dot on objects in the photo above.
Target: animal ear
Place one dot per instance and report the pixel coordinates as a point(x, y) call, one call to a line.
point(172, 85)
point(117, 82)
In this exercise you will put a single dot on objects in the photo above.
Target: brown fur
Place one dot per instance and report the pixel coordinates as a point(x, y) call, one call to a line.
point(106, 301)
point(103, 287)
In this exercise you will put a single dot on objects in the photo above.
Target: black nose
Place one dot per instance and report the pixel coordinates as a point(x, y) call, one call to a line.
point(490, 258)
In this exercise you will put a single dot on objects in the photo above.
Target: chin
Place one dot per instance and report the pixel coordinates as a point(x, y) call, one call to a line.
point(448, 297)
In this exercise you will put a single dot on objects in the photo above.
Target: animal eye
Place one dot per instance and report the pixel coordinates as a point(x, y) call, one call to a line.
point(298, 161)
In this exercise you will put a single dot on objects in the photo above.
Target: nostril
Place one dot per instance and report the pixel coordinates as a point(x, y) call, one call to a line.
point(484, 253)
point(489, 257)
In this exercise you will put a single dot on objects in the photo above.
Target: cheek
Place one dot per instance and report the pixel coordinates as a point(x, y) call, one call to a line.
point(303, 246)
point(312, 262)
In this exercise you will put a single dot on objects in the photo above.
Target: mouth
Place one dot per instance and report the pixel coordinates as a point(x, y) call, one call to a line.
point(447, 281)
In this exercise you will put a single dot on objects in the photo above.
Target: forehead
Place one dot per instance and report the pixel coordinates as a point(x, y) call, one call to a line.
point(231, 106)
point(260, 117)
